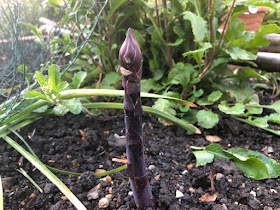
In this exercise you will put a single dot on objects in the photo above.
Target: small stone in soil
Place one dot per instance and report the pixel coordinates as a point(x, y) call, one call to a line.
point(49, 187)
point(94, 192)
point(270, 149)
point(103, 203)
point(179, 194)
point(184, 172)
point(219, 176)
point(151, 167)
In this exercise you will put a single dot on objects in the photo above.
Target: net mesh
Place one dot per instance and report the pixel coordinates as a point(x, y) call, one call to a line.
point(35, 34)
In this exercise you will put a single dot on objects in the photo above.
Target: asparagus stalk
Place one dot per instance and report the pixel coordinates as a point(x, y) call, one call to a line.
point(131, 70)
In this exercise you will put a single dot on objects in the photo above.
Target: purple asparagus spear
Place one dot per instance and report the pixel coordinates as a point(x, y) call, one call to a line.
point(131, 69)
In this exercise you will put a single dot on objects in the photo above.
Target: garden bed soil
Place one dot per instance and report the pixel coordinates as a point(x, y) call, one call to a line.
point(171, 165)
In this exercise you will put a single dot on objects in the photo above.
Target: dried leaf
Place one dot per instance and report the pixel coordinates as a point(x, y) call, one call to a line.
point(209, 198)
point(64, 198)
point(33, 195)
point(190, 166)
point(119, 160)
point(213, 139)
point(20, 161)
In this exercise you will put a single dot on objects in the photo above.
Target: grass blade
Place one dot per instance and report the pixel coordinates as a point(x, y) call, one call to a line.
point(41, 167)
point(1, 196)
point(23, 172)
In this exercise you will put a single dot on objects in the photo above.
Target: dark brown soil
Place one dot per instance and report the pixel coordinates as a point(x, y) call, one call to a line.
point(58, 143)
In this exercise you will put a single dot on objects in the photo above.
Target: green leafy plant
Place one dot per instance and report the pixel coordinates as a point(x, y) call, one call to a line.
point(253, 164)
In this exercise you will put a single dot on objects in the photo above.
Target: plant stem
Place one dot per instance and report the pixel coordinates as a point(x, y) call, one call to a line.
point(111, 171)
point(157, 13)
point(183, 124)
point(166, 23)
point(68, 94)
point(18, 117)
point(208, 65)
point(212, 9)
point(221, 40)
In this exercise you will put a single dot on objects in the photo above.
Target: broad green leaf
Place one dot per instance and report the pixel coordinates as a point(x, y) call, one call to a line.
point(113, 7)
point(78, 79)
point(239, 92)
point(176, 43)
point(54, 77)
point(217, 62)
point(256, 165)
point(266, 3)
point(177, 6)
point(197, 93)
point(203, 157)
point(237, 109)
point(258, 40)
point(274, 117)
point(198, 54)
point(165, 106)
point(36, 31)
point(259, 122)
point(139, 37)
point(218, 151)
point(60, 110)
point(190, 116)
point(22, 69)
point(235, 31)
point(179, 30)
point(111, 78)
point(74, 105)
point(211, 98)
point(207, 119)
point(34, 95)
point(275, 106)
point(62, 85)
point(41, 79)
point(237, 53)
point(253, 164)
point(254, 110)
point(215, 96)
point(205, 46)
point(253, 168)
point(181, 74)
point(247, 72)
point(149, 84)
point(195, 80)
point(184, 108)
point(199, 26)
point(41, 109)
